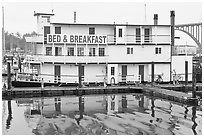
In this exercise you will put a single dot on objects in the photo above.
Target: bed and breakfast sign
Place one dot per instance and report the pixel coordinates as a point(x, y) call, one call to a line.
point(80, 39)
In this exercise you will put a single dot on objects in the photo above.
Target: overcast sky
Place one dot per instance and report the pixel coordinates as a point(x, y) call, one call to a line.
point(18, 16)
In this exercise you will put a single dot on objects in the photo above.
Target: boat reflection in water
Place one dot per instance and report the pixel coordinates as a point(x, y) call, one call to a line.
point(100, 114)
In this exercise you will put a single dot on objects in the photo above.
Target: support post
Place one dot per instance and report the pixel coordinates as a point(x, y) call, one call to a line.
point(152, 71)
point(172, 15)
point(194, 82)
point(8, 75)
point(80, 74)
point(186, 73)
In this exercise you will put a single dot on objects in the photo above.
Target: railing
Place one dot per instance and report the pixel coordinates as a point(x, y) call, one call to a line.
point(47, 78)
point(184, 50)
point(140, 39)
point(68, 59)
point(130, 78)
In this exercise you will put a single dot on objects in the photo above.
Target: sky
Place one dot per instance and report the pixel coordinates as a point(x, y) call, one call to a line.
point(18, 16)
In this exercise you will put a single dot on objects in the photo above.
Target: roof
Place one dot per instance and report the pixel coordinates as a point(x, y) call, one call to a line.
point(37, 14)
point(89, 24)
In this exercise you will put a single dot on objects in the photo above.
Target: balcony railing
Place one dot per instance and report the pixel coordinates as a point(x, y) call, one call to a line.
point(184, 50)
point(140, 39)
point(68, 59)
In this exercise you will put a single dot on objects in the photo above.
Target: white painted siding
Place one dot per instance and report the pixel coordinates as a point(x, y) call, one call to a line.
point(178, 64)
point(144, 53)
point(48, 69)
point(94, 72)
point(162, 68)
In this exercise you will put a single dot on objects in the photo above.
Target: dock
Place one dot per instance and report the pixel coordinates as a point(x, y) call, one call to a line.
point(61, 91)
point(181, 87)
point(175, 96)
point(149, 90)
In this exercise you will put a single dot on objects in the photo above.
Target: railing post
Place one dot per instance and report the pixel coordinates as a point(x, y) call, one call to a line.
point(152, 71)
point(80, 74)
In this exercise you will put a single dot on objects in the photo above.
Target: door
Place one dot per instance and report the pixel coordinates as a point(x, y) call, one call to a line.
point(138, 35)
point(147, 35)
point(124, 73)
point(141, 72)
point(57, 73)
point(56, 51)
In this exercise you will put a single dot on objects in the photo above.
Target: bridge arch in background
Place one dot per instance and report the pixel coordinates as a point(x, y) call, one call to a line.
point(194, 30)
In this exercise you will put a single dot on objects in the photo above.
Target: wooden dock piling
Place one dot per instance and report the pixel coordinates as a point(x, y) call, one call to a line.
point(8, 75)
point(152, 71)
point(194, 83)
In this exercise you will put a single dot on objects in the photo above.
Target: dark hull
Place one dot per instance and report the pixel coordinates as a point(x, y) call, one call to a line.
point(5, 74)
point(38, 84)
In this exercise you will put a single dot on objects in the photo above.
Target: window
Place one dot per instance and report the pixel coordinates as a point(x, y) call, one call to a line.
point(157, 50)
point(91, 31)
point(92, 52)
point(58, 51)
point(80, 51)
point(147, 35)
point(120, 33)
point(101, 51)
point(49, 51)
point(57, 30)
point(138, 35)
point(48, 19)
point(70, 51)
point(46, 31)
point(129, 50)
point(112, 70)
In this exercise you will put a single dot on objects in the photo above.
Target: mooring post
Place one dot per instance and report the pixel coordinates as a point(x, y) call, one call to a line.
point(152, 71)
point(12, 61)
point(80, 74)
point(193, 82)
point(186, 75)
point(8, 75)
point(19, 64)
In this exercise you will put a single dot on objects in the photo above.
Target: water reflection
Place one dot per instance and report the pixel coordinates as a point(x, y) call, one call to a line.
point(8, 121)
point(105, 114)
point(124, 103)
point(193, 119)
point(57, 105)
point(81, 110)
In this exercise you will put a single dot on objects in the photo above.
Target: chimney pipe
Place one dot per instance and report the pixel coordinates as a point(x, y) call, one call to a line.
point(74, 16)
point(172, 16)
point(155, 19)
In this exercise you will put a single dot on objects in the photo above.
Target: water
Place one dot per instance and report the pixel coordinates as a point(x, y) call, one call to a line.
point(99, 114)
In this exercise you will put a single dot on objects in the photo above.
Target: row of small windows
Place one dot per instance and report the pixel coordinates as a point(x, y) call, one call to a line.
point(157, 50)
point(120, 32)
point(70, 51)
point(92, 51)
point(91, 30)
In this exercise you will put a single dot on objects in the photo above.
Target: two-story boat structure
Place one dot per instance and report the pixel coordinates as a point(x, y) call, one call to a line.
point(107, 52)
